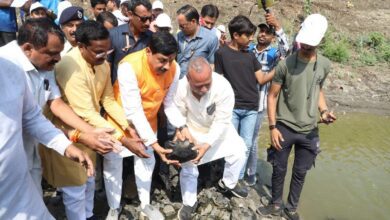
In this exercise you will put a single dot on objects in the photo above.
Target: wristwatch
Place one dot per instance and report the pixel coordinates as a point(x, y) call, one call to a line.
point(271, 127)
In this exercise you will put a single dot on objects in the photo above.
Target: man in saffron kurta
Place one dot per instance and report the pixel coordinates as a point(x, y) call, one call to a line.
point(146, 79)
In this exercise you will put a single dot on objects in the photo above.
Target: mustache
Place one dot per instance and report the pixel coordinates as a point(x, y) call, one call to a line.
point(163, 70)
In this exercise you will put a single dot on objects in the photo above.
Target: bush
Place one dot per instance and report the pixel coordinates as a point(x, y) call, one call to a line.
point(337, 51)
point(368, 58)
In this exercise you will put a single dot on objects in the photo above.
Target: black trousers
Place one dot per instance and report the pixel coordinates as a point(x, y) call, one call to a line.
point(306, 149)
point(6, 37)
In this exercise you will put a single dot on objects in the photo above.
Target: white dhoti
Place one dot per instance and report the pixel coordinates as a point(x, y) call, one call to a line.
point(112, 172)
point(230, 146)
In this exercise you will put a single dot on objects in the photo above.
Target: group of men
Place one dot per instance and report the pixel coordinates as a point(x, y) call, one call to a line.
point(103, 87)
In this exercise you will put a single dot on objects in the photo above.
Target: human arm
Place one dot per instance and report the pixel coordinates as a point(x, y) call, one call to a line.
point(325, 116)
point(263, 78)
point(273, 93)
point(218, 64)
point(62, 111)
point(35, 124)
point(275, 134)
point(172, 111)
point(213, 47)
point(283, 47)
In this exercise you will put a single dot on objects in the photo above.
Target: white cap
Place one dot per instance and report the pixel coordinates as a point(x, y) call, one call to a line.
point(36, 5)
point(157, 4)
point(123, 1)
point(312, 30)
point(62, 6)
point(163, 20)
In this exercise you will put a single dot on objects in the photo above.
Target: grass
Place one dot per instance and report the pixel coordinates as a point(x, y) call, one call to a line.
point(369, 49)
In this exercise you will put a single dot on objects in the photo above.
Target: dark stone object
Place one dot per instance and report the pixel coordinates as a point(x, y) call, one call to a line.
point(181, 150)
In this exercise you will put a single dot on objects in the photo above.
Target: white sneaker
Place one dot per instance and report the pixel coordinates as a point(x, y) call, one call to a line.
point(151, 213)
point(113, 214)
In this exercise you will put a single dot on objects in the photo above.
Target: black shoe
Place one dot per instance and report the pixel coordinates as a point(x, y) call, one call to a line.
point(185, 212)
point(269, 210)
point(290, 215)
point(239, 190)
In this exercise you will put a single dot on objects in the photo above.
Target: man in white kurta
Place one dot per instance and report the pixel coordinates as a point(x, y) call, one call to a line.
point(205, 100)
point(19, 198)
point(44, 88)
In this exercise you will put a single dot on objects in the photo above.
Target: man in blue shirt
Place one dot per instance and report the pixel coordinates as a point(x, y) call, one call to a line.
point(194, 40)
point(268, 55)
point(8, 24)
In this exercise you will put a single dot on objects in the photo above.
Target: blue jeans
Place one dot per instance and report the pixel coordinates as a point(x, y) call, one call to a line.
point(244, 121)
point(253, 153)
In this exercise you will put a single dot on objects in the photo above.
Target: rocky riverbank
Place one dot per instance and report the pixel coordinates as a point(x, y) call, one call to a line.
point(212, 203)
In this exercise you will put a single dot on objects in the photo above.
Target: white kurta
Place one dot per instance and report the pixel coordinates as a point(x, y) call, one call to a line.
point(19, 198)
point(206, 125)
point(43, 86)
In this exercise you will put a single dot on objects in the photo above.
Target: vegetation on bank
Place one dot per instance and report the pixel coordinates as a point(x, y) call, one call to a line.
point(369, 49)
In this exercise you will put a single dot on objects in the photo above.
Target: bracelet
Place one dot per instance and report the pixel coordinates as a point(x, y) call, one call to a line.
point(323, 111)
point(271, 127)
point(75, 135)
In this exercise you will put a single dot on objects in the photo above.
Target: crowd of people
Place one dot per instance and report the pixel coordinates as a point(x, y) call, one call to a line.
point(120, 84)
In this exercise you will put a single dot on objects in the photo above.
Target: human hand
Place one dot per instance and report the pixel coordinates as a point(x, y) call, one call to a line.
point(162, 152)
point(271, 20)
point(75, 154)
point(101, 145)
point(136, 146)
point(327, 117)
point(184, 134)
point(276, 138)
point(202, 149)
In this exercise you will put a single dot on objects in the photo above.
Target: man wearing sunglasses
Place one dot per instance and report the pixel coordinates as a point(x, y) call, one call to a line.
point(84, 79)
point(131, 37)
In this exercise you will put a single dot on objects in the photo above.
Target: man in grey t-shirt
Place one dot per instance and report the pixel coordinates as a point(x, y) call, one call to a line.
point(293, 99)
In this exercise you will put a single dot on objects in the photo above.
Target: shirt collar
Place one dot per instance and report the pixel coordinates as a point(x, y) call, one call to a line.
point(266, 49)
point(22, 59)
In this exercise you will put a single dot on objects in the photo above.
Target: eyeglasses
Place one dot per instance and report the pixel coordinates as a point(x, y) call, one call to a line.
point(102, 54)
point(144, 18)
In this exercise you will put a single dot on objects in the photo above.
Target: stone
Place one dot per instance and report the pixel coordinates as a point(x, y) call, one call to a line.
point(237, 202)
point(206, 210)
point(169, 211)
point(264, 201)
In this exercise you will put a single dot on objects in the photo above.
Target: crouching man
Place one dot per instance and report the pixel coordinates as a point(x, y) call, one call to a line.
point(206, 100)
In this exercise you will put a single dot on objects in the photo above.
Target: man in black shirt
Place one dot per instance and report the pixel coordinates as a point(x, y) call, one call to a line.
point(243, 71)
point(131, 37)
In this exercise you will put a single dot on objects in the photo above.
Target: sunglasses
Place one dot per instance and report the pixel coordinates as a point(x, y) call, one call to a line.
point(144, 18)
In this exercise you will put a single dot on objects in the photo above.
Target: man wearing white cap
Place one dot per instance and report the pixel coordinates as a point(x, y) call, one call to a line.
point(294, 97)
point(163, 23)
point(157, 9)
point(37, 10)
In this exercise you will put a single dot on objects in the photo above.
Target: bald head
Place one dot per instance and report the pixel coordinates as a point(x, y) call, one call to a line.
point(199, 76)
point(199, 68)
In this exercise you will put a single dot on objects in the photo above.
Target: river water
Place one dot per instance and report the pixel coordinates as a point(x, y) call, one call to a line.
point(351, 179)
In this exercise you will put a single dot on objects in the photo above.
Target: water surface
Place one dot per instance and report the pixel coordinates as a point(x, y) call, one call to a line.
point(351, 179)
